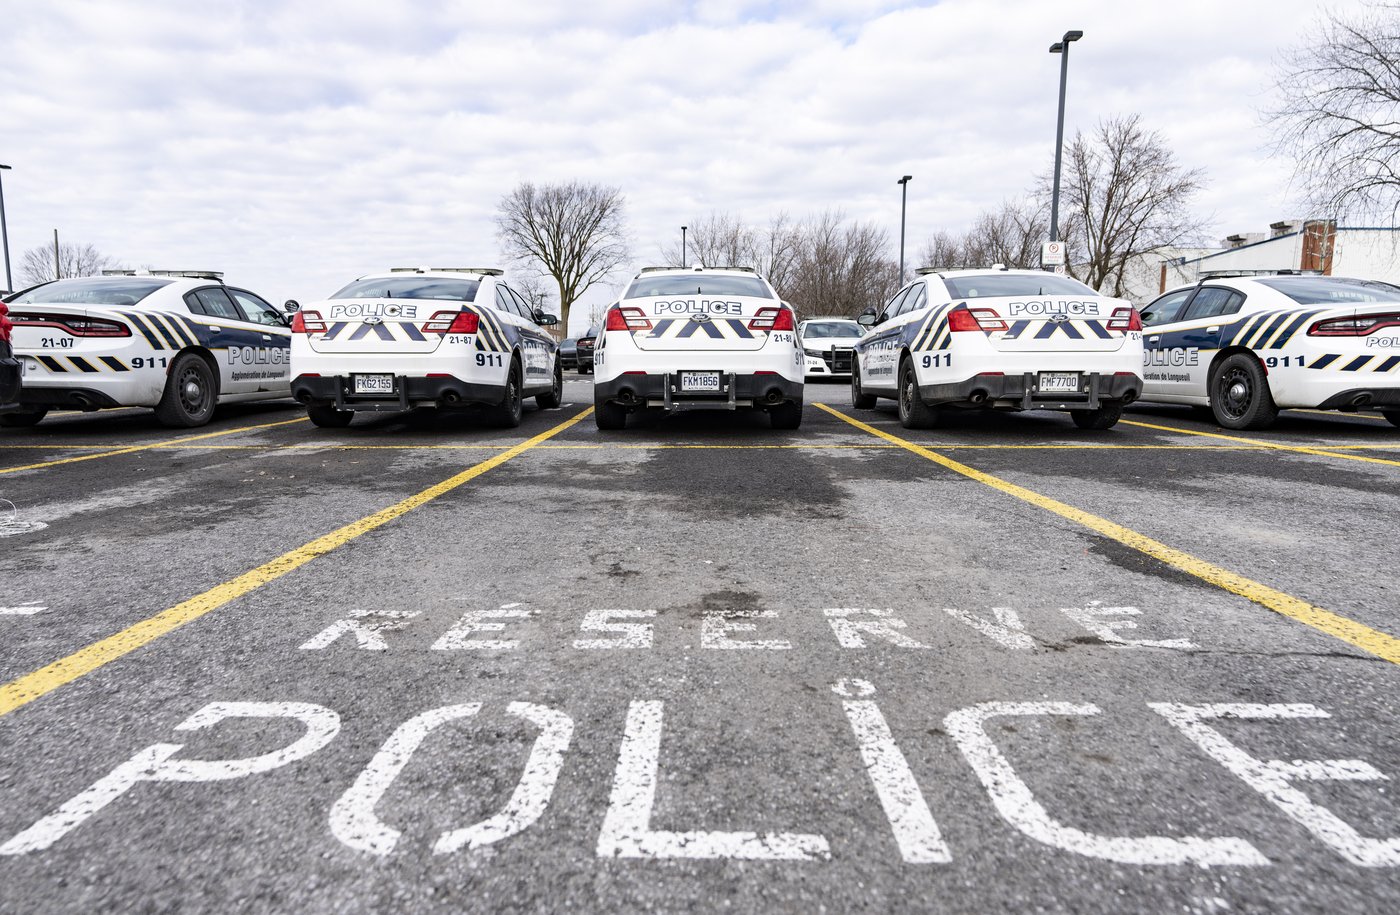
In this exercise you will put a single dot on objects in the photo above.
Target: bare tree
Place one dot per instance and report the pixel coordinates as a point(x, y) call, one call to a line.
point(1010, 235)
point(722, 240)
point(842, 267)
point(575, 232)
point(37, 265)
point(1339, 117)
point(1124, 193)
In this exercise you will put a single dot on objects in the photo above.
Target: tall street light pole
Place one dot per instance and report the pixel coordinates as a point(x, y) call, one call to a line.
point(1061, 48)
point(903, 205)
point(682, 246)
point(5, 232)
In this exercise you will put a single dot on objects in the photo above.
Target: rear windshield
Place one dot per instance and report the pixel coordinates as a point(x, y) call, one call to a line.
point(92, 290)
point(1323, 290)
point(987, 285)
point(644, 287)
point(833, 329)
point(411, 287)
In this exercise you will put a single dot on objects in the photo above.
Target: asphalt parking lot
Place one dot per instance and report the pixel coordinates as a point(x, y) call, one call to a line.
point(425, 664)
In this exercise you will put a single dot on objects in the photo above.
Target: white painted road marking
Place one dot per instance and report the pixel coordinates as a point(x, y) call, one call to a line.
point(629, 635)
point(915, 830)
point(1007, 630)
point(21, 611)
point(1273, 778)
point(627, 831)
point(459, 636)
point(885, 626)
point(1093, 618)
point(718, 624)
point(1017, 805)
point(367, 626)
point(154, 764)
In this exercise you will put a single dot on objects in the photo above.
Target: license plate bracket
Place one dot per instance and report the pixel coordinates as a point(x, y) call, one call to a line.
point(1058, 383)
point(701, 383)
point(372, 384)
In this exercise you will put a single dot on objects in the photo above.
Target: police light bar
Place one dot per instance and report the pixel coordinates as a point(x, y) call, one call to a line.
point(656, 269)
point(1224, 274)
point(925, 271)
point(185, 274)
point(483, 271)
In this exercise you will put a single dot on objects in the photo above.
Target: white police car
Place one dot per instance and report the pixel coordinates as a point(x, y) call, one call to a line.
point(1004, 339)
point(1247, 346)
point(421, 336)
point(828, 345)
point(698, 337)
point(176, 340)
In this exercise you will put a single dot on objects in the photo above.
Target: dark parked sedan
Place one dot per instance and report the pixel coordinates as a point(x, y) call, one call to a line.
point(568, 353)
point(585, 349)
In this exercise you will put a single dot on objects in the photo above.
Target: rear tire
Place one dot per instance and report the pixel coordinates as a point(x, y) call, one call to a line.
point(913, 412)
point(609, 415)
point(190, 393)
point(786, 415)
point(1239, 394)
point(859, 399)
point(328, 417)
point(25, 418)
point(556, 394)
point(507, 415)
point(1105, 417)
point(1393, 416)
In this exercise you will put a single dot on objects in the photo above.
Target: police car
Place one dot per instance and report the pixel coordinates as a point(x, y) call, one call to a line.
point(1248, 346)
point(828, 345)
point(1004, 339)
point(680, 338)
point(424, 336)
point(176, 340)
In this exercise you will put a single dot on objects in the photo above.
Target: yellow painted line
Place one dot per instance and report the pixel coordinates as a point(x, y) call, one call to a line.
point(1348, 630)
point(1299, 449)
point(132, 449)
point(23, 690)
point(1340, 415)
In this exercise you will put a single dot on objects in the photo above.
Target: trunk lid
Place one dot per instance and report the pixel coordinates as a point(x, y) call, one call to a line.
point(1054, 323)
point(395, 326)
point(702, 322)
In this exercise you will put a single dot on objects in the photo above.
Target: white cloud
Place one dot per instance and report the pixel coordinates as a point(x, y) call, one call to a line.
point(294, 145)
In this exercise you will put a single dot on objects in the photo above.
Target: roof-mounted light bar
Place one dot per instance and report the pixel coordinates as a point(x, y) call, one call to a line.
point(483, 271)
point(215, 275)
point(1225, 274)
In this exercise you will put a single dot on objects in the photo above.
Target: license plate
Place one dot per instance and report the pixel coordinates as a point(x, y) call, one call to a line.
point(374, 384)
point(1059, 382)
point(700, 381)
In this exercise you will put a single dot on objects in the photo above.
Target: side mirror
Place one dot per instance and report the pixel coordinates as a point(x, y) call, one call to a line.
point(292, 305)
point(867, 319)
point(544, 320)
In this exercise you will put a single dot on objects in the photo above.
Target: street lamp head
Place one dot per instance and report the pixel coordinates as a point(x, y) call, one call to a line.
point(1073, 35)
point(5, 167)
point(905, 180)
point(1057, 47)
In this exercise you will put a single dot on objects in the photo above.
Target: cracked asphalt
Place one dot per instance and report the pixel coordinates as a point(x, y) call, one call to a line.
point(421, 664)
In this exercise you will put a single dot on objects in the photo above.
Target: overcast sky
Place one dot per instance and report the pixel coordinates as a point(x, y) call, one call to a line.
point(296, 145)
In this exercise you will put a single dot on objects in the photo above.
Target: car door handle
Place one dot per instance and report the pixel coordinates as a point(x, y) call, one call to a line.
point(267, 336)
point(1213, 330)
point(1155, 338)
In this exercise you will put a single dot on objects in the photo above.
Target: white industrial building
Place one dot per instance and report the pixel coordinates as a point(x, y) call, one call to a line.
point(1365, 252)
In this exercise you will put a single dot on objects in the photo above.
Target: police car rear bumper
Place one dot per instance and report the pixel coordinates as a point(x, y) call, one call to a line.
point(1020, 392)
point(1362, 398)
point(409, 392)
point(663, 390)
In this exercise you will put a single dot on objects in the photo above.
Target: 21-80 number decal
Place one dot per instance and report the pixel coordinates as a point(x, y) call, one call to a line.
point(937, 360)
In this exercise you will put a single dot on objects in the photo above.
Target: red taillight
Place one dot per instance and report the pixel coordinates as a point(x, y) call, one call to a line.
point(74, 325)
point(961, 320)
point(308, 322)
point(5, 324)
point(620, 318)
point(453, 322)
point(771, 318)
point(1125, 319)
point(1360, 326)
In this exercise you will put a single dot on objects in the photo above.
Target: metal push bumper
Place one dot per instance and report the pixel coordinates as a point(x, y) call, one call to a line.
point(980, 390)
point(338, 391)
point(663, 390)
